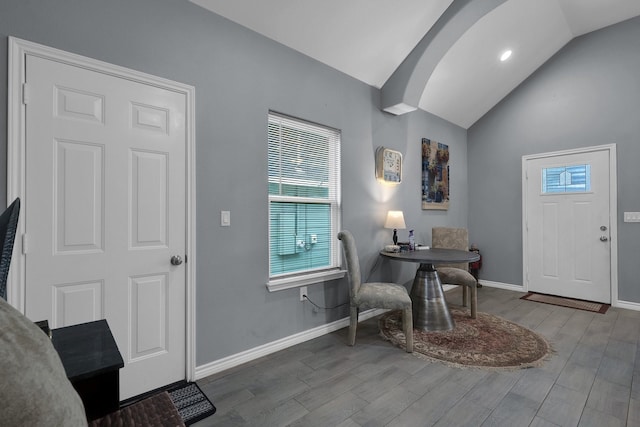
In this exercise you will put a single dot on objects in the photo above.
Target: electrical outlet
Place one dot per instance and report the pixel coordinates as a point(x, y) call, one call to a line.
point(303, 292)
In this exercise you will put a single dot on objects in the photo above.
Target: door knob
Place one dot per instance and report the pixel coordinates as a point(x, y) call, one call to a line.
point(603, 227)
point(176, 260)
point(603, 238)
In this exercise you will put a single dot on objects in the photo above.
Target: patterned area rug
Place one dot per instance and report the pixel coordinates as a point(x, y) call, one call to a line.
point(595, 307)
point(192, 404)
point(488, 342)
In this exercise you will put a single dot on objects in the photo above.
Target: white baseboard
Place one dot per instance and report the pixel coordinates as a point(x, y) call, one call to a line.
point(272, 347)
point(627, 305)
point(507, 286)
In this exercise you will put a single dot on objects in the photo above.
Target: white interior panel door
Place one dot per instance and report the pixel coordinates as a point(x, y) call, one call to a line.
point(567, 226)
point(106, 211)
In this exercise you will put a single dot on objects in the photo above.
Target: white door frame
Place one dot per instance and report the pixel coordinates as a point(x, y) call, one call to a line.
point(16, 167)
point(613, 211)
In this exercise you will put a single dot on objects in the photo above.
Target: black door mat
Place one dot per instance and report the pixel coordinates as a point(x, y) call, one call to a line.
point(192, 404)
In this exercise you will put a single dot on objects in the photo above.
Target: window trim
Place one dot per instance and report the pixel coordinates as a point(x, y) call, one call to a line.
point(303, 279)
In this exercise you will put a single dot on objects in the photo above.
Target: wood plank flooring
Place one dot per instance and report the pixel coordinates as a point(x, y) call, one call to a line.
point(592, 379)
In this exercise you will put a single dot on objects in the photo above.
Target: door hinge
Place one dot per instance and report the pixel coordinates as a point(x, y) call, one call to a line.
point(26, 93)
point(25, 246)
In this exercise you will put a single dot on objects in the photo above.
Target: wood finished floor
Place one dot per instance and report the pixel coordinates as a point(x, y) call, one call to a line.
point(593, 378)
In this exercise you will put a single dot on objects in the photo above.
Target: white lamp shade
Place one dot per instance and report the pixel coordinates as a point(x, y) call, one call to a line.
point(395, 219)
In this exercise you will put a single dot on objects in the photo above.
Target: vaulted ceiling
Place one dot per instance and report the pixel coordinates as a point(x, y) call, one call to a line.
point(442, 56)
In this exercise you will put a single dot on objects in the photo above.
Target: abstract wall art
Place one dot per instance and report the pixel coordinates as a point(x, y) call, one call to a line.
point(435, 175)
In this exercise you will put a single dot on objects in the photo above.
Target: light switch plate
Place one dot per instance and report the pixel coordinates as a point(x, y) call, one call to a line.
point(225, 218)
point(632, 217)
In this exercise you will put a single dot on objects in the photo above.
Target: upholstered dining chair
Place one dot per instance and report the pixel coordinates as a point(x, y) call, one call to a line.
point(374, 294)
point(8, 226)
point(456, 274)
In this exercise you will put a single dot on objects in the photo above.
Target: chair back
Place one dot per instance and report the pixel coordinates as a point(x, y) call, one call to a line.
point(451, 238)
point(353, 263)
point(8, 226)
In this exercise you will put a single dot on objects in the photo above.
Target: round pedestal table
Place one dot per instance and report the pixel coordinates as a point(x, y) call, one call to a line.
point(430, 310)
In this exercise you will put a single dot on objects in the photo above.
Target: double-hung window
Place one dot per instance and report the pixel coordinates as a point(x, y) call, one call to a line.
point(304, 202)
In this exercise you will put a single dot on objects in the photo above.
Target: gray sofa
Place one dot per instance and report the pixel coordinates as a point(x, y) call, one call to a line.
point(35, 390)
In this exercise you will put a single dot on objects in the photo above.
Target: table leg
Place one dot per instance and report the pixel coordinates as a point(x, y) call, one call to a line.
point(430, 310)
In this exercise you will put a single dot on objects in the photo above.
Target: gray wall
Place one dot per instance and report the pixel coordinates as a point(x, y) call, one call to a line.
point(239, 76)
point(588, 94)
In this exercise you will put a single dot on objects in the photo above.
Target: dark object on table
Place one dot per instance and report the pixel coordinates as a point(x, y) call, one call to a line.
point(8, 225)
point(92, 360)
point(404, 246)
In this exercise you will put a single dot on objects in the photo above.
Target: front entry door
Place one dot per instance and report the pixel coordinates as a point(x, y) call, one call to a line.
point(567, 225)
point(105, 213)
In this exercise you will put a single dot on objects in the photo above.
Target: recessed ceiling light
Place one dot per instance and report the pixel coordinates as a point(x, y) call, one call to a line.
point(505, 55)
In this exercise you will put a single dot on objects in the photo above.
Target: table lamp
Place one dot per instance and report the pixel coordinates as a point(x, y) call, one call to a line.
point(395, 220)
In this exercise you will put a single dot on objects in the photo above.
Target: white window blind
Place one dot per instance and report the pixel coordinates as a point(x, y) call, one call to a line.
point(566, 179)
point(304, 196)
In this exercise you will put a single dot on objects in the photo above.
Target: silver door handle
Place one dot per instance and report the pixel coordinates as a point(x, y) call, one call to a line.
point(603, 238)
point(176, 260)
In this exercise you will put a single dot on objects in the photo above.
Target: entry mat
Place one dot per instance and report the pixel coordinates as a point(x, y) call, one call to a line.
point(595, 307)
point(192, 404)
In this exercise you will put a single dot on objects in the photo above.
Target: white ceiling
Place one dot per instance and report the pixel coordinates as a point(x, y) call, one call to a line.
point(369, 39)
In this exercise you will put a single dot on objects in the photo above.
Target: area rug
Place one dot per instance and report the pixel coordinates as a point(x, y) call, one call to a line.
point(487, 342)
point(192, 404)
point(595, 307)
